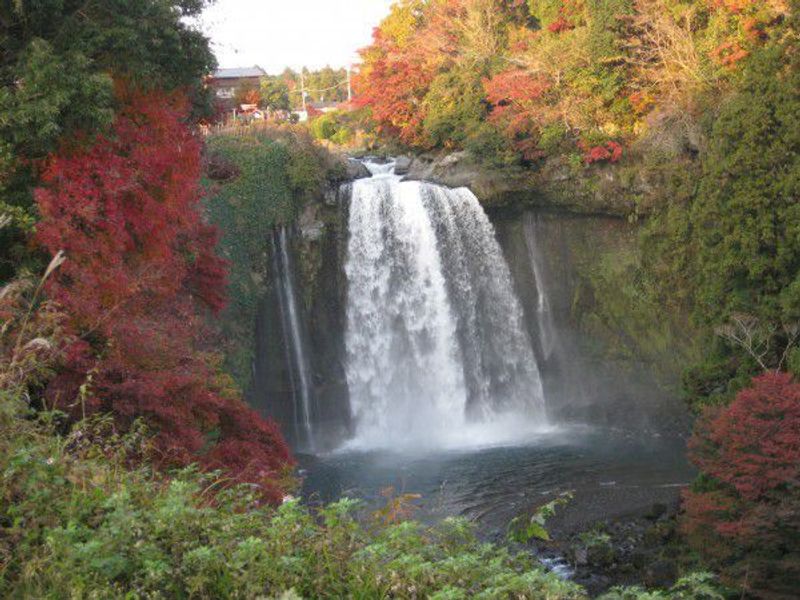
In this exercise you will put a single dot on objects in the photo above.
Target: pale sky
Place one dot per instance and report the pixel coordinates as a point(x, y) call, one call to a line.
point(274, 34)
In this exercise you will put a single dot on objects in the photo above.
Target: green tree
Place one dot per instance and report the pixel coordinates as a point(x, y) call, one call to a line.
point(454, 107)
point(275, 93)
point(745, 221)
point(731, 251)
point(59, 60)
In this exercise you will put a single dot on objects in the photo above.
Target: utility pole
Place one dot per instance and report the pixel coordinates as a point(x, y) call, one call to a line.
point(303, 88)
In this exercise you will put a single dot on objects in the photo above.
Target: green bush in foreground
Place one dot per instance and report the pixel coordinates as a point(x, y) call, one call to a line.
point(78, 520)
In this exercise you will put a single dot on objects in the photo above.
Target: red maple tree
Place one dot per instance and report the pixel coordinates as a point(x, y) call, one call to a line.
point(611, 151)
point(398, 68)
point(744, 514)
point(393, 88)
point(140, 277)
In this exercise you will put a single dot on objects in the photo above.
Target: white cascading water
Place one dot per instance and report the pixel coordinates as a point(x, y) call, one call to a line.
point(437, 350)
point(298, 362)
point(567, 385)
point(544, 313)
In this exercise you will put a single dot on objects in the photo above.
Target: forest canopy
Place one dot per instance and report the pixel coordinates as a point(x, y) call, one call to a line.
point(550, 76)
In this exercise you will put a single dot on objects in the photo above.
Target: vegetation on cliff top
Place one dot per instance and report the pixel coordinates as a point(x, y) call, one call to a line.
point(551, 76)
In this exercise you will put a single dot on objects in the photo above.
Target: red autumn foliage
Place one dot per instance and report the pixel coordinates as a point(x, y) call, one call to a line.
point(608, 152)
point(560, 24)
point(395, 76)
point(312, 112)
point(393, 88)
point(747, 519)
point(513, 88)
point(514, 95)
point(140, 273)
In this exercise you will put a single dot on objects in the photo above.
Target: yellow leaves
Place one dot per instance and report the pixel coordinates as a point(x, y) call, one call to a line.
point(483, 29)
point(402, 21)
point(611, 129)
point(640, 128)
point(397, 508)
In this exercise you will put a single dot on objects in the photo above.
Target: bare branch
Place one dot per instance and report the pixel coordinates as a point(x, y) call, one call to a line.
point(747, 332)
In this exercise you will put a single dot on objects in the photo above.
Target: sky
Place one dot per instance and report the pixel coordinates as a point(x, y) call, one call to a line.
point(275, 34)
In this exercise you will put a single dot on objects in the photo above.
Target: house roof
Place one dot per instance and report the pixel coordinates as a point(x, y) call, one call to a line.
point(239, 73)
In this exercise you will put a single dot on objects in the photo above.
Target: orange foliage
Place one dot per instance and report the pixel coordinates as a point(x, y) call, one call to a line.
point(729, 53)
point(734, 6)
point(400, 65)
point(642, 102)
point(251, 97)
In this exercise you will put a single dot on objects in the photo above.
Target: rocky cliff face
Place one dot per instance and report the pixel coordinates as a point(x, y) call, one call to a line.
point(627, 347)
point(317, 245)
point(608, 354)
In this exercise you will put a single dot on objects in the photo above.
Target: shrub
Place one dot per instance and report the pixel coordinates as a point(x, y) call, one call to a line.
point(695, 586)
point(324, 127)
point(608, 152)
point(76, 520)
point(743, 514)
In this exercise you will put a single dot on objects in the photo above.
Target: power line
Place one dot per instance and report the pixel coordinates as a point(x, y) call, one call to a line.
point(333, 87)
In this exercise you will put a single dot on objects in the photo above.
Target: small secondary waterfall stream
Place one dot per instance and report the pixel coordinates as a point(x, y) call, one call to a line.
point(544, 310)
point(296, 358)
point(437, 351)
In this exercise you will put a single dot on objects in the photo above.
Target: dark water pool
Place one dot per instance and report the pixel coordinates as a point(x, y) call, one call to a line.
point(611, 473)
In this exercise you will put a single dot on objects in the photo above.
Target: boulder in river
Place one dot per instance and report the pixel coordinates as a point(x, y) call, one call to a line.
point(402, 165)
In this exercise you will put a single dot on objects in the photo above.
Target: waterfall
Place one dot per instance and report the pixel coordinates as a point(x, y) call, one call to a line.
point(437, 350)
point(567, 374)
point(544, 313)
point(296, 359)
